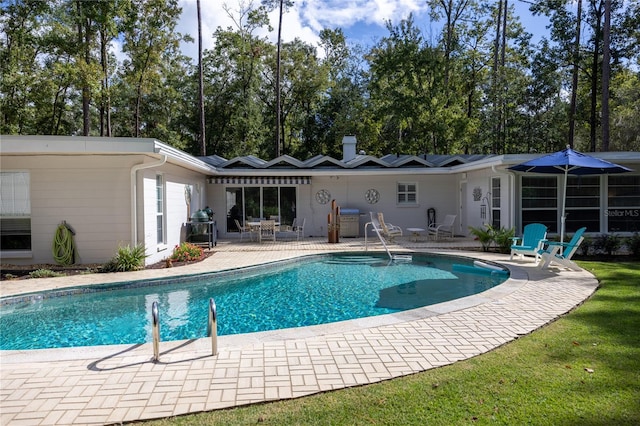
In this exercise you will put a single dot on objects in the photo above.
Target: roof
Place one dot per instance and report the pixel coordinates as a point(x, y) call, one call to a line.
point(285, 165)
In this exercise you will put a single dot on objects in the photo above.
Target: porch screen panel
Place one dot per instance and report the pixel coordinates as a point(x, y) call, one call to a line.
point(540, 201)
point(623, 203)
point(583, 203)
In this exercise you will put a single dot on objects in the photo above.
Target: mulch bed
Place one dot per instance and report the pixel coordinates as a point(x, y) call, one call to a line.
point(21, 272)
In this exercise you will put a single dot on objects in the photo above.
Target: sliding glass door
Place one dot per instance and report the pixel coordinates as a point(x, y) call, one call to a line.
point(249, 203)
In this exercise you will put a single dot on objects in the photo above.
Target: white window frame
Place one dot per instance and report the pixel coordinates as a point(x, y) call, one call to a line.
point(405, 196)
point(496, 201)
point(161, 208)
point(15, 203)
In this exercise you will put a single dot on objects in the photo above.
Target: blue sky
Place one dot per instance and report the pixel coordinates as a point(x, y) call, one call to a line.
point(363, 21)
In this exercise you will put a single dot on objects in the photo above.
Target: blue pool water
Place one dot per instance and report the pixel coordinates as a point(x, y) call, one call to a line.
point(309, 291)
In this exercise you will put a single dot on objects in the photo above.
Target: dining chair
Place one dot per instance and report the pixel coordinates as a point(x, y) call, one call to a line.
point(267, 230)
point(298, 227)
point(244, 230)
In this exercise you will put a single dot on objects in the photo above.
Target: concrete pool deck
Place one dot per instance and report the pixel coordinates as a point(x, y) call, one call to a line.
point(113, 384)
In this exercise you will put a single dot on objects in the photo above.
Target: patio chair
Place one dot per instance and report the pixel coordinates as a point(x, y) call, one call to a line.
point(446, 227)
point(298, 227)
point(389, 230)
point(553, 255)
point(531, 242)
point(244, 230)
point(267, 230)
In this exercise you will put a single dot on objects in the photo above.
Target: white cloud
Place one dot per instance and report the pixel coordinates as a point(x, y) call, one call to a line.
point(361, 20)
point(304, 21)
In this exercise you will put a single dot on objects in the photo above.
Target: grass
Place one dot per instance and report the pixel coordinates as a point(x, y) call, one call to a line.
point(583, 369)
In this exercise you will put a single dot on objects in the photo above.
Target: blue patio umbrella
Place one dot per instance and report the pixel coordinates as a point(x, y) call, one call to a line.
point(569, 162)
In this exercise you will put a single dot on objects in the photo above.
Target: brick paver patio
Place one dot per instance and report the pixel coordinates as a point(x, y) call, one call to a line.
point(112, 384)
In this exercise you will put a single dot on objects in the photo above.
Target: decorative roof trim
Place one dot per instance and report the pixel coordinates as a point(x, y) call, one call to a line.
point(260, 180)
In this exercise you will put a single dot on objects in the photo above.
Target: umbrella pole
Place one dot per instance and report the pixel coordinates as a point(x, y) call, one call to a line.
point(564, 204)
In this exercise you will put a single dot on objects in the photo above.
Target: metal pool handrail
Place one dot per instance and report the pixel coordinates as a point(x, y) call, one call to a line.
point(155, 315)
point(212, 327)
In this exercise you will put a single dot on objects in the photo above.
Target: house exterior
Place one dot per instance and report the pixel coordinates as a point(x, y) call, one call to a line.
point(121, 191)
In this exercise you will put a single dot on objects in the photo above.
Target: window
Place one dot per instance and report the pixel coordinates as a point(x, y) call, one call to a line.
point(583, 203)
point(540, 201)
point(623, 204)
point(15, 211)
point(407, 193)
point(160, 207)
point(495, 202)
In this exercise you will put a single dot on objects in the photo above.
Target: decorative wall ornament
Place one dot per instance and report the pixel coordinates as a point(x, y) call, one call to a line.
point(372, 196)
point(323, 196)
point(477, 193)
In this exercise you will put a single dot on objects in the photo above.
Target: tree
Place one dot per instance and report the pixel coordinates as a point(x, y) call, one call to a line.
point(20, 48)
point(606, 73)
point(148, 33)
point(201, 133)
point(282, 5)
point(234, 71)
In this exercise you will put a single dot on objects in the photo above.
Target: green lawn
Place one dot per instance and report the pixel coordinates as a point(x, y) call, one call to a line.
point(583, 369)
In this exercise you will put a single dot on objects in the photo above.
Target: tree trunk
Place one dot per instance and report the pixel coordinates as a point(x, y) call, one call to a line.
point(574, 77)
point(496, 102)
point(83, 44)
point(105, 104)
point(277, 152)
point(502, 86)
point(593, 117)
point(203, 147)
point(136, 130)
point(606, 69)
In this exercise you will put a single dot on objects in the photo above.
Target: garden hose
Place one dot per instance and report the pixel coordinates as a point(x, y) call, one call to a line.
point(63, 246)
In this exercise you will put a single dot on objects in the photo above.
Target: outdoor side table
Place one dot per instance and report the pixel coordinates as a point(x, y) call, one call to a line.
point(415, 232)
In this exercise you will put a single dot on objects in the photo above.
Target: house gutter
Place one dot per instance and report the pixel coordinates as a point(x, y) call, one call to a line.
point(134, 194)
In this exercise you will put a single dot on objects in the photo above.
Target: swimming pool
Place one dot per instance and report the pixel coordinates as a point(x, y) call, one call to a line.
point(307, 291)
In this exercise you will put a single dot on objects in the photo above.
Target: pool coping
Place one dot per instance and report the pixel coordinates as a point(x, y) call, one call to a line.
point(280, 364)
point(73, 353)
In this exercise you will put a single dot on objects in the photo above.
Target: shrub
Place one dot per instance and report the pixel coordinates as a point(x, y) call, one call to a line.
point(633, 245)
point(503, 238)
point(585, 246)
point(484, 235)
point(45, 273)
point(127, 259)
point(187, 252)
point(607, 243)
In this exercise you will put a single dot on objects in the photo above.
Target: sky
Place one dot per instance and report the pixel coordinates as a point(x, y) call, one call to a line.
point(363, 21)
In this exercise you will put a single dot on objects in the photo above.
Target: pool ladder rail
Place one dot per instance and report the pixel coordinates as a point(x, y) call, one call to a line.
point(212, 329)
point(392, 257)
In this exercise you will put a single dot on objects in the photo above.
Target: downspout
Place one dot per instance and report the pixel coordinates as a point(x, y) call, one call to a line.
point(134, 195)
point(512, 194)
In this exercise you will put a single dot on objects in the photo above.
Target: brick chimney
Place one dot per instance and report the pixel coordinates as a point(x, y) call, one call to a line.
point(348, 148)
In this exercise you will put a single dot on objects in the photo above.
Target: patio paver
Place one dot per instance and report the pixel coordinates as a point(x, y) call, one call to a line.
point(113, 384)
